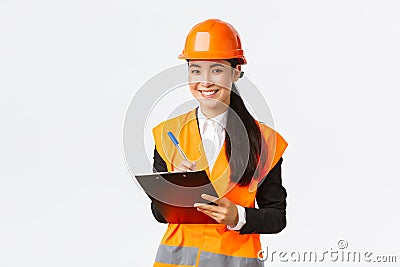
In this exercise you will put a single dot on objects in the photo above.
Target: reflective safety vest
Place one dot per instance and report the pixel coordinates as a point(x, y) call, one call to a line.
point(210, 244)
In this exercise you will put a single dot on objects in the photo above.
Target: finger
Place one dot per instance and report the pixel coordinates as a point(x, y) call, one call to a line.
point(188, 165)
point(199, 204)
point(180, 168)
point(209, 207)
point(210, 198)
point(216, 216)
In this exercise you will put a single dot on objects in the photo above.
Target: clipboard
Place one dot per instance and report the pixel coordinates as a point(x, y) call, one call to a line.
point(174, 194)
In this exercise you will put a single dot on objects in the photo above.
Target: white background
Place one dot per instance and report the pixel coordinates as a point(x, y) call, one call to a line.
point(68, 70)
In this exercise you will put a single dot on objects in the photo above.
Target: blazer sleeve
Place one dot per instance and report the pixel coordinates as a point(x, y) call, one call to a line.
point(270, 217)
point(159, 165)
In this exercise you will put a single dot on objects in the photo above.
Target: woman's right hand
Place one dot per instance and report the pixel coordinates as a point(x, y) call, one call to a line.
point(186, 166)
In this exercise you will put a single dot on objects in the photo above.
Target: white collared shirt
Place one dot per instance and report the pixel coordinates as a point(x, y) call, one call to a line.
point(212, 131)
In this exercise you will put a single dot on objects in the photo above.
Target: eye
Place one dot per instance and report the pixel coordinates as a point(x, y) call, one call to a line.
point(195, 72)
point(217, 71)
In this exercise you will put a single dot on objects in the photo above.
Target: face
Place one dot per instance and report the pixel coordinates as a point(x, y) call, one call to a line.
point(210, 82)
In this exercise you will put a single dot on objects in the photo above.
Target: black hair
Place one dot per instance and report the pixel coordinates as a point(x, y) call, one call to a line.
point(243, 166)
point(236, 142)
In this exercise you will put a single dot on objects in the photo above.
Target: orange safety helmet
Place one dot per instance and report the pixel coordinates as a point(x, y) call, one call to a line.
point(213, 39)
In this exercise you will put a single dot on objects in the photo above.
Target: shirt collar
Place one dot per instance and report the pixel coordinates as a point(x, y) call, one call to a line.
point(221, 119)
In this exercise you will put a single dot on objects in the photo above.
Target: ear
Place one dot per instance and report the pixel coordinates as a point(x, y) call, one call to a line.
point(237, 71)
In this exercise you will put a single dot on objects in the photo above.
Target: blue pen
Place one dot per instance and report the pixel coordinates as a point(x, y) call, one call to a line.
point(176, 143)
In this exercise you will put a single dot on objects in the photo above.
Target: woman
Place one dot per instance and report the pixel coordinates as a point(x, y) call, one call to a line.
point(214, 55)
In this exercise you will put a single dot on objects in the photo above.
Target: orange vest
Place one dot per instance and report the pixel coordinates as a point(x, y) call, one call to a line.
point(210, 244)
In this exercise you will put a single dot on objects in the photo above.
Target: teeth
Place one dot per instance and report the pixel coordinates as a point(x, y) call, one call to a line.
point(208, 92)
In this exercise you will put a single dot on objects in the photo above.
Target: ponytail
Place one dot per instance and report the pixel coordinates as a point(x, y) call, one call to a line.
point(238, 141)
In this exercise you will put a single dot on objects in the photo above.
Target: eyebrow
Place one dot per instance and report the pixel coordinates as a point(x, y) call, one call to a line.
point(216, 65)
point(194, 65)
point(212, 66)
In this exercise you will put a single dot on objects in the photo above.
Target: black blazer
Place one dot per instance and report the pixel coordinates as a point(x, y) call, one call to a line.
point(269, 218)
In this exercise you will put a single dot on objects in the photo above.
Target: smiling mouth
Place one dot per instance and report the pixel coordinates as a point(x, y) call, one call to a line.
point(208, 93)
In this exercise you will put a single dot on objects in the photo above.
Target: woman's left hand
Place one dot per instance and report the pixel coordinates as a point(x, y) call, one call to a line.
point(225, 213)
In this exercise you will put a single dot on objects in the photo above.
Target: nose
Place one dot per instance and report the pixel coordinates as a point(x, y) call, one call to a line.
point(206, 84)
point(206, 81)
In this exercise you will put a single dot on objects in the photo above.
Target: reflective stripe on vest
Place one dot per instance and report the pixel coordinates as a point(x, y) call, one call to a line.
point(188, 255)
point(211, 259)
point(177, 255)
